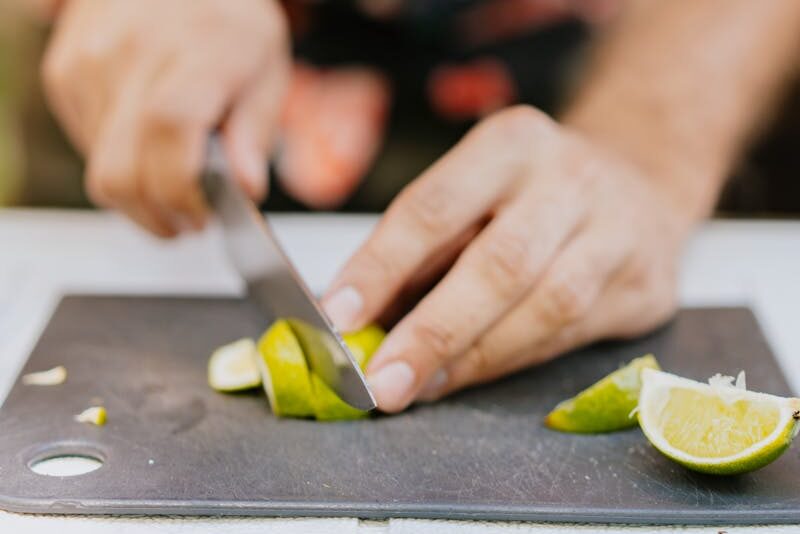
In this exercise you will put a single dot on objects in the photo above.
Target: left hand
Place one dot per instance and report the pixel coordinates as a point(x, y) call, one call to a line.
point(556, 242)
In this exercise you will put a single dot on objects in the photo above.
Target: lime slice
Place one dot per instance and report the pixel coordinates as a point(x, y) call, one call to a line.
point(234, 367)
point(715, 428)
point(284, 372)
point(363, 343)
point(95, 415)
point(605, 406)
point(327, 405)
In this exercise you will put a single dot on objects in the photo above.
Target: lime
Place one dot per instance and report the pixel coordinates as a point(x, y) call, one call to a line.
point(234, 367)
point(284, 372)
point(715, 428)
point(327, 405)
point(363, 343)
point(279, 363)
point(605, 406)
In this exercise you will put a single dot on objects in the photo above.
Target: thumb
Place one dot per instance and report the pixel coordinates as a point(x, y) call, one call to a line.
point(249, 132)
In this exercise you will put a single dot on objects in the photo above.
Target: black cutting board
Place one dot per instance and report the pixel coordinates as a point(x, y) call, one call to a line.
point(483, 454)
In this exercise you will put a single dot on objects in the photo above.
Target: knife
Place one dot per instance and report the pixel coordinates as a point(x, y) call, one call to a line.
point(274, 284)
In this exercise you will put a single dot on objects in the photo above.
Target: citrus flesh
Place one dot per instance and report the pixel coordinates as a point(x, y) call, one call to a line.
point(296, 391)
point(234, 367)
point(327, 405)
point(717, 429)
point(284, 372)
point(605, 406)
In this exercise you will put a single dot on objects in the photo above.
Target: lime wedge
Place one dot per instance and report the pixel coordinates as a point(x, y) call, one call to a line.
point(715, 428)
point(234, 367)
point(284, 372)
point(327, 405)
point(605, 406)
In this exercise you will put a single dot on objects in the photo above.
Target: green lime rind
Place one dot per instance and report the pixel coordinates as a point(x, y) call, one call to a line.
point(767, 455)
point(327, 405)
point(285, 373)
point(605, 406)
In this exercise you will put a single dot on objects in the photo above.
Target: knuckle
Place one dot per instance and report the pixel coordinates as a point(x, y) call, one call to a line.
point(108, 187)
point(519, 123)
point(566, 299)
point(506, 261)
point(55, 71)
point(425, 206)
point(480, 360)
point(166, 116)
point(435, 339)
point(168, 193)
point(376, 266)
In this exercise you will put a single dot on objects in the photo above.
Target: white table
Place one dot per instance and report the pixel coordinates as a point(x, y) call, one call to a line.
point(44, 253)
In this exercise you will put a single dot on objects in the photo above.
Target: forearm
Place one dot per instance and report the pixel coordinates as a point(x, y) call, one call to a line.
point(679, 87)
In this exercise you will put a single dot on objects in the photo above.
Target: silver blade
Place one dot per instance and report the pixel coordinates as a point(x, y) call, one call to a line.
point(274, 284)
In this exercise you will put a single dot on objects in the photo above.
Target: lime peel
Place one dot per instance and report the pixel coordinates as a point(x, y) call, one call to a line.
point(51, 377)
point(284, 372)
point(605, 406)
point(234, 367)
point(95, 415)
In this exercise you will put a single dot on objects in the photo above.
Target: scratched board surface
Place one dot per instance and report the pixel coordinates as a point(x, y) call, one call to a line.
point(173, 446)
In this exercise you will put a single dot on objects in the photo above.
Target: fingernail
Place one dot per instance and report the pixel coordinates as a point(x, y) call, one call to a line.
point(432, 389)
point(392, 385)
point(254, 170)
point(343, 308)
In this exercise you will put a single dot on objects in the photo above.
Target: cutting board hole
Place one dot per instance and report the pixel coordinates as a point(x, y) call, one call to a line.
point(58, 461)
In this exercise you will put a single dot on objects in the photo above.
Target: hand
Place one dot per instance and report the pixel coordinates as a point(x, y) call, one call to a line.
point(558, 243)
point(138, 86)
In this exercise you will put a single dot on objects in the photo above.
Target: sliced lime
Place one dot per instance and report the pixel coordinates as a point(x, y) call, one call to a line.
point(718, 429)
point(284, 372)
point(605, 406)
point(327, 405)
point(234, 367)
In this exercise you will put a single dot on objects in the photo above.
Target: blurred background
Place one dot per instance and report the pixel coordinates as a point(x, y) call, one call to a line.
point(438, 85)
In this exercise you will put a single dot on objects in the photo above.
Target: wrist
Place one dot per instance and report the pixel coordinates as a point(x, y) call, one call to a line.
point(688, 172)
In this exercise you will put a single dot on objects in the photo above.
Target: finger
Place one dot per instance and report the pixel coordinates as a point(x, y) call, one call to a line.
point(574, 301)
point(455, 193)
point(250, 130)
point(492, 275)
point(112, 179)
point(427, 277)
point(58, 79)
point(617, 314)
point(178, 115)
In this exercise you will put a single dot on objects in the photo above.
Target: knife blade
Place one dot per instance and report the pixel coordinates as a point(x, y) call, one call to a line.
point(274, 284)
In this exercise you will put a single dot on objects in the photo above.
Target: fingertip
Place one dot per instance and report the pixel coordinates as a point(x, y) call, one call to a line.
point(393, 386)
point(248, 163)
point(343, 307)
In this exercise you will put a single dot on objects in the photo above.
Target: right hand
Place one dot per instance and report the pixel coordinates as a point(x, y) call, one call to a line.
point(138, 87)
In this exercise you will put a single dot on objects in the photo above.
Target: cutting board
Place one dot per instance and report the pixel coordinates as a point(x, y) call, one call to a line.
point(173, 446)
